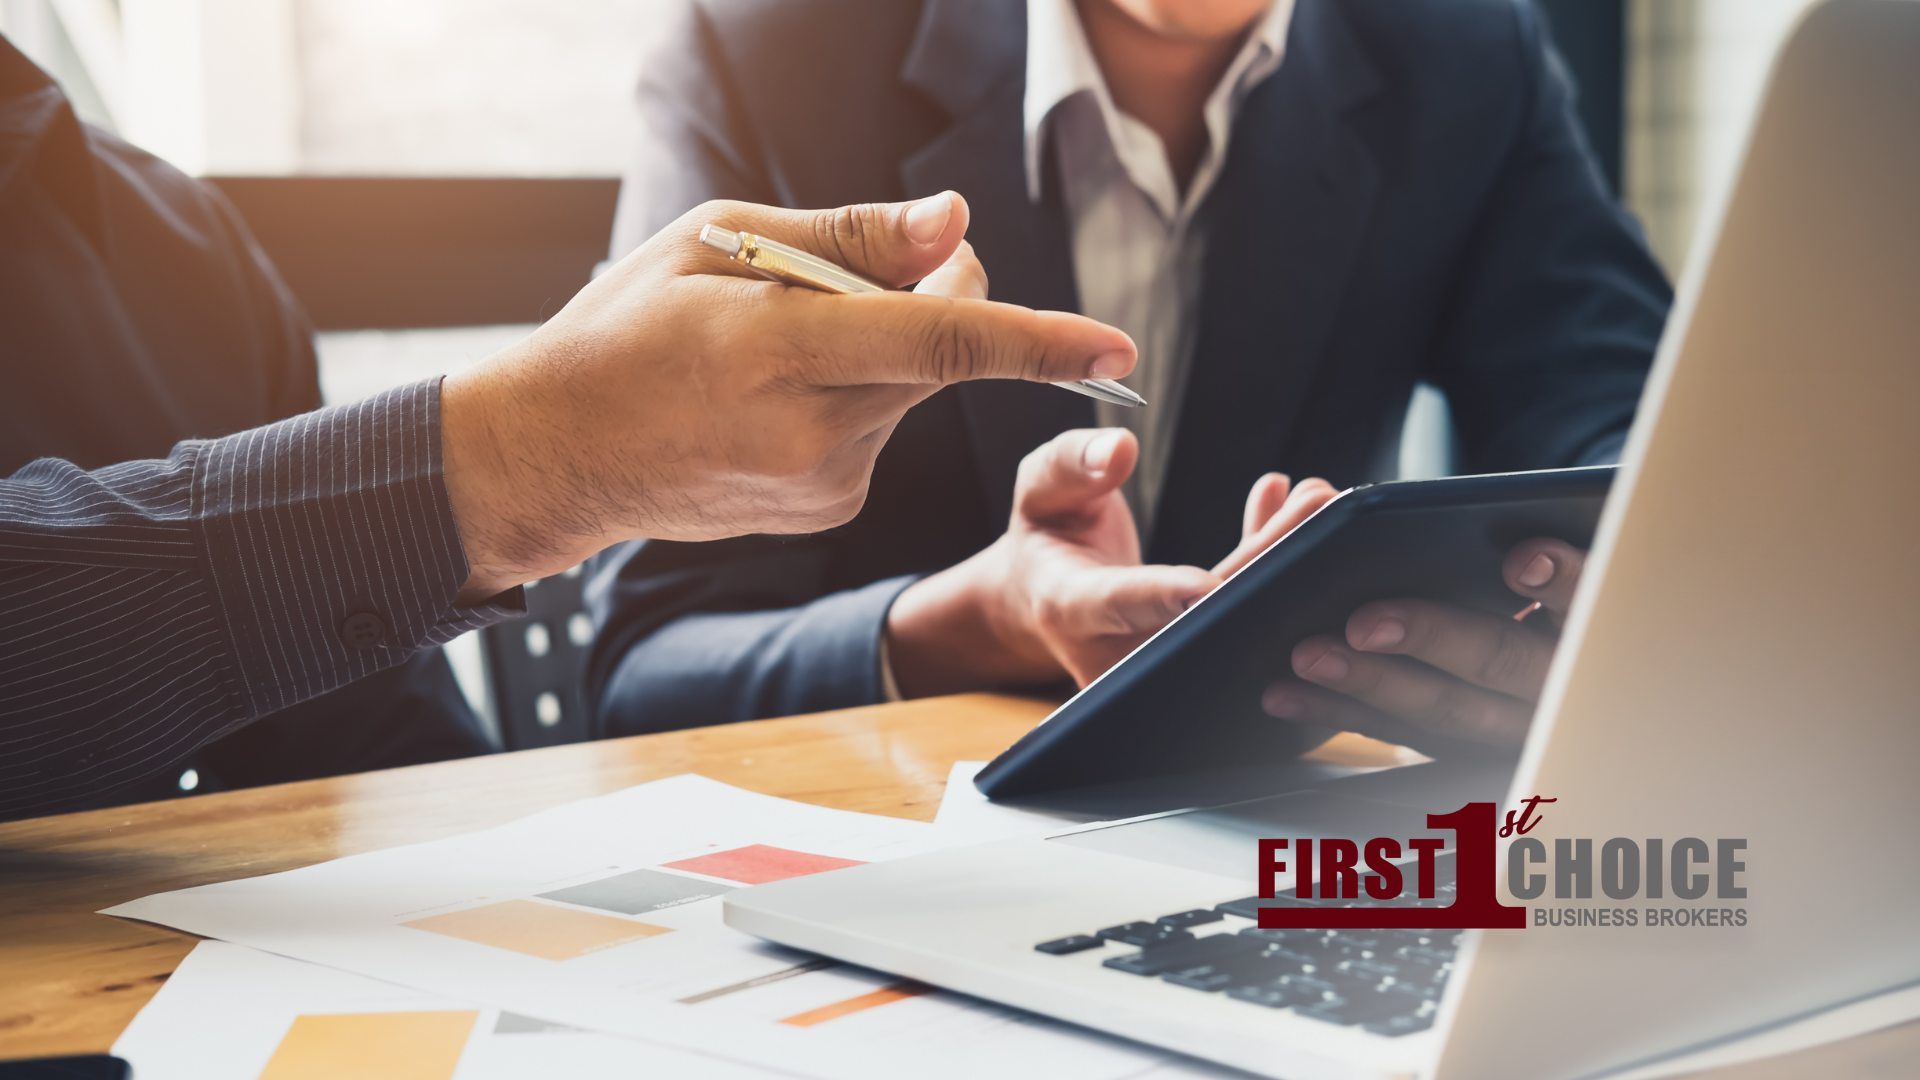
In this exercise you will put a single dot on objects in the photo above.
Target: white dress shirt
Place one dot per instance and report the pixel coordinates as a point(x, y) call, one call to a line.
point(1137, 251)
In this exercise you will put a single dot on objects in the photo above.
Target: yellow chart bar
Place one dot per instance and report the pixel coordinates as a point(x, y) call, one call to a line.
point(372, 1046)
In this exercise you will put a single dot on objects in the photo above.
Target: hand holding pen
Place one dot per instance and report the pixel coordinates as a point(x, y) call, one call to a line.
point(790, 265)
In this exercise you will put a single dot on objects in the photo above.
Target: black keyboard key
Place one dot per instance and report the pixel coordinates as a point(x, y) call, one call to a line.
point(1286, 992)
point(1368, 970)
point(1249, 907)
point(1271, 997)
point(1143, 934)
point(1238, 970)
point(1177, 955)
point(1278, 937)
point(1211, 977)
point(1277, 994)
point(1074, 944)
point(1287, 954)
point(1404, 1024)
point(1424, 954)
point(1185, 919)
point(1366, 1006)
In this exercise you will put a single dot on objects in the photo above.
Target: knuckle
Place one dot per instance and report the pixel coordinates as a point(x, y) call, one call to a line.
point(946, 347)
point(1050, 613)
point(848, 233)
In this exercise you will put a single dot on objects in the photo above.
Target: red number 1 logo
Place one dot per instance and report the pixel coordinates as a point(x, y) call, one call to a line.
point(1476, 904)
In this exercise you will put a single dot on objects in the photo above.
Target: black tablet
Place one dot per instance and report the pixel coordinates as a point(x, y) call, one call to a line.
point(1188, 700)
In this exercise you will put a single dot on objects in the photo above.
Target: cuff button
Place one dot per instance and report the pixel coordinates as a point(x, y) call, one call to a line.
point(363, 630)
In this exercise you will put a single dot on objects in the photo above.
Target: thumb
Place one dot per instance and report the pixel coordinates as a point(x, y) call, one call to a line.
point(893, 243)
point(1545, 570)
point(1072, 471)
point(1268, 494)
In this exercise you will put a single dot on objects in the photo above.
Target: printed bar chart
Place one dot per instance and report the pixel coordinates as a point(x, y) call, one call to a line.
point(548, 931)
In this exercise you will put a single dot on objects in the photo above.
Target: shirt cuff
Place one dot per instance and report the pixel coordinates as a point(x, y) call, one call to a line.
point(332, 546)
point(889, 685)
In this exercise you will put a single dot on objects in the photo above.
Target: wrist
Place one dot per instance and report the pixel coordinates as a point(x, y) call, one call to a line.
point(960, 630)
point(505, 528)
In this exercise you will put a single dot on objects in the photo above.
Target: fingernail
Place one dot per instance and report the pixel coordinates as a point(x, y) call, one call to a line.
point(1112, 365)
point(1282, 704)
point(1386, 633)
point(1331, 667)
point(1537, 573)
point(927, 219)
point(1097, 457)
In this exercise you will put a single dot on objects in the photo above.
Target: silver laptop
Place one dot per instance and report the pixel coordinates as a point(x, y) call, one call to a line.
point(1740, 681)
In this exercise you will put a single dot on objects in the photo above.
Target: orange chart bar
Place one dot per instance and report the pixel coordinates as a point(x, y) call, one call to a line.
point(548, 931)
point(894, 992)
point(372, 1046)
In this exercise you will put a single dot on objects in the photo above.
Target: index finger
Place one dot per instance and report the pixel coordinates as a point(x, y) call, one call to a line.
point(900, 337)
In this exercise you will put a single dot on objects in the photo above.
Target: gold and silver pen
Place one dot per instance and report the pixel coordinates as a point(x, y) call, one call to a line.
point(796, 267)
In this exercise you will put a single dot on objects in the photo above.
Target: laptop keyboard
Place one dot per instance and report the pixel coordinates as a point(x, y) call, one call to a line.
point(1385, 981)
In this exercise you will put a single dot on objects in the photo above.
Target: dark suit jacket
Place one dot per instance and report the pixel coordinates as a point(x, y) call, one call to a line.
point(1408, 197)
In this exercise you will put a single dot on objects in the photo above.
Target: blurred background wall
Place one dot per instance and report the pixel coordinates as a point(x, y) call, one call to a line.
point(530, 88)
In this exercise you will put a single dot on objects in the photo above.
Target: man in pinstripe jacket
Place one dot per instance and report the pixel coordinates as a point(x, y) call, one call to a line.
point(136, 312)
point(149, 606)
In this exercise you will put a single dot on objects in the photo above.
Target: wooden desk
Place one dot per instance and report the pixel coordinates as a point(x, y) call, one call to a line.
point(70, 980)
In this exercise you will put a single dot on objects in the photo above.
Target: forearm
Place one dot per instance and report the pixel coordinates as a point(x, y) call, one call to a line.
point(709, 668)
point(153, 605)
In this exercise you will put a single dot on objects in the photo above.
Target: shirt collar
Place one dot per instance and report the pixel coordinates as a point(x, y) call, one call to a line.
point(1061, 64)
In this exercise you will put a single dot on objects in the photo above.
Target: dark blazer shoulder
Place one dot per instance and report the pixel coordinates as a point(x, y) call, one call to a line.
point(815, 91)
point(810, 51)
point(1449, 47)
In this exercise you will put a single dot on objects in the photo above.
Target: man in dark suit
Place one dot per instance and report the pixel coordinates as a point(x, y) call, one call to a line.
point(1297, 208)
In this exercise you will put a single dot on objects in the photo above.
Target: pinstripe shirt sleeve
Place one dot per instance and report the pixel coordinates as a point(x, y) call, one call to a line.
point(150, 606)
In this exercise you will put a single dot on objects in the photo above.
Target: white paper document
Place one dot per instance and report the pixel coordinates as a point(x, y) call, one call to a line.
point(234, 1013)
point(963, 807)
point(605, 915)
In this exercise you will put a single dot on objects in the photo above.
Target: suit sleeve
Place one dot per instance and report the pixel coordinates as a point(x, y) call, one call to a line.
point(746, 629)
point(148, 607)
point(699, 634)
point(1560, 306)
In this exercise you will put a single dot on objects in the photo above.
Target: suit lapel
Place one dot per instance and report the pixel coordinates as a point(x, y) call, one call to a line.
point(1286, 223)
point(970, 58)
